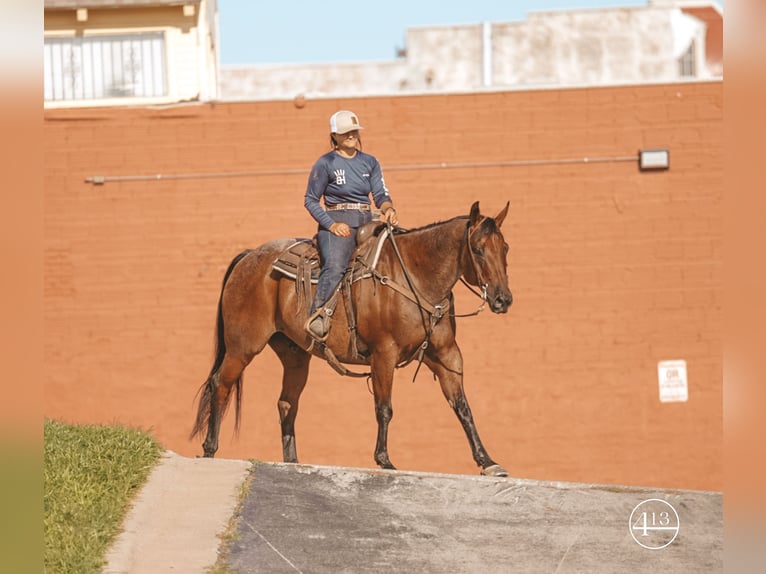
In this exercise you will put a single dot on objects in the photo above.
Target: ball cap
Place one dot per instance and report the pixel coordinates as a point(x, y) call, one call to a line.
point(343, 122)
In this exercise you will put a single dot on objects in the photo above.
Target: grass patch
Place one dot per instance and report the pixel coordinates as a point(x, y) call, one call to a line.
point(90, 476)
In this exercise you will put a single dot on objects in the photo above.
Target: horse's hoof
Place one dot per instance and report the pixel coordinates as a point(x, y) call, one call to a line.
point(494, 470)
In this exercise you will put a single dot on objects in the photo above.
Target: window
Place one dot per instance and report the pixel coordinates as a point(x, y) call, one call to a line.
point(116, 66)
point(686, 63)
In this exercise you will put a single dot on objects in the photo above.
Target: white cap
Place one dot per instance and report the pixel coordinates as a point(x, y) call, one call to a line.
point(343, 122)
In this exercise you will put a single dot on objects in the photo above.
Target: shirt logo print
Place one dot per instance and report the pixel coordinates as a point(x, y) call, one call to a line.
point(340, 176)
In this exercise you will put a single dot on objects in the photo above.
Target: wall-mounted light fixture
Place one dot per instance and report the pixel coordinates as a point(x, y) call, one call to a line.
point(653, 159)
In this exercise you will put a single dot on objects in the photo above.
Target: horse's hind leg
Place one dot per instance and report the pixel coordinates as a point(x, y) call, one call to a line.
point(295, 363)
point(218, 389)
point(447, 365)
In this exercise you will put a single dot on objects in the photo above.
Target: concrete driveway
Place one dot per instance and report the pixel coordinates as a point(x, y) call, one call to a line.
point(314, 519)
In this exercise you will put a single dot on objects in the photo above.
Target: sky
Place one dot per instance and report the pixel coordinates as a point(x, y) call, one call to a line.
point(307, 31)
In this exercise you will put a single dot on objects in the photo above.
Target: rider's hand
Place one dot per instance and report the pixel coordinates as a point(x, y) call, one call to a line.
point(340, 229)
point(390, 216)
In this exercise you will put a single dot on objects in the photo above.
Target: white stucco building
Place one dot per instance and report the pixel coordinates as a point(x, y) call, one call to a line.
point(664, 41)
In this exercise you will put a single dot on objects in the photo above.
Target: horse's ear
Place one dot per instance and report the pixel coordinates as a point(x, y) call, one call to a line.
point(475, 213)
point(500, 217)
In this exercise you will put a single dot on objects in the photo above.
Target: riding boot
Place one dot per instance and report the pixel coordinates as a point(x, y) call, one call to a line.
point(318, 324)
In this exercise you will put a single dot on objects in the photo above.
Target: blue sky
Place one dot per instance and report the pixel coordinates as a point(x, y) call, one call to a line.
point(298, 31)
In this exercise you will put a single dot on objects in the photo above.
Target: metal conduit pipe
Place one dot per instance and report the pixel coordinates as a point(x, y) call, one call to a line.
point(486, 44)
point(102, 179)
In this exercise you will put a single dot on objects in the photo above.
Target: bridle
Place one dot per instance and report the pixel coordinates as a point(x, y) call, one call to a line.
point(430, 314)
point(412, 294)
point(483, 285)
point(434, 312)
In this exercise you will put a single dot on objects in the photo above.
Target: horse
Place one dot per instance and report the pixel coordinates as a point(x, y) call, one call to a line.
point(402, 305)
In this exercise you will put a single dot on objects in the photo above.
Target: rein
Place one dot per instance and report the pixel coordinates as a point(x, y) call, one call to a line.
point(482, 296)
point(435, 312)
point(411, 294)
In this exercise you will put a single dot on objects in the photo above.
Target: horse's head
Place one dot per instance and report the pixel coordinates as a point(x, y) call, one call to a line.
point(486, 265)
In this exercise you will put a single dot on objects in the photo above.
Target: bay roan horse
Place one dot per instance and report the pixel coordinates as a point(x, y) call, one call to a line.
point(259, 307)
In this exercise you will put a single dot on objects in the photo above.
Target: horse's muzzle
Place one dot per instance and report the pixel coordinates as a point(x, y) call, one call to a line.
point(501, 302)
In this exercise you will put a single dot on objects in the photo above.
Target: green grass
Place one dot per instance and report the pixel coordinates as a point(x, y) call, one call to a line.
point(90, 475)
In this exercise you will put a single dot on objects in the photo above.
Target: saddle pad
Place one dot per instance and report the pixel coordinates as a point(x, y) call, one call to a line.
point(292, 260)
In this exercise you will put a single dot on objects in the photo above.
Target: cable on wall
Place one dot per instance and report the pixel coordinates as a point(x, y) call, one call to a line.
point(103, 179)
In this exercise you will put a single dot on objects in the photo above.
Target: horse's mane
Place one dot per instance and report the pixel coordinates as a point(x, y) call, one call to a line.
point(429, 226)
point(488, 225)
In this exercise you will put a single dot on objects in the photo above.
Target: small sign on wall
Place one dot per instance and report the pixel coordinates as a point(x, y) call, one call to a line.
point(672, 379)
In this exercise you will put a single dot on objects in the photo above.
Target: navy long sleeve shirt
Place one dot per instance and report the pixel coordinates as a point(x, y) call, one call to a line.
point(344, 180)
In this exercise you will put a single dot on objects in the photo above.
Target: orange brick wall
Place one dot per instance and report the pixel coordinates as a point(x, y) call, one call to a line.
point(612, 270)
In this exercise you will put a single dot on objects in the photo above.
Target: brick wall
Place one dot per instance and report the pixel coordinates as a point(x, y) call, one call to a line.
point(612, 270)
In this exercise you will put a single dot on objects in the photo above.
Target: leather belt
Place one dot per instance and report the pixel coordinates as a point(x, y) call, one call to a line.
point(339, 206)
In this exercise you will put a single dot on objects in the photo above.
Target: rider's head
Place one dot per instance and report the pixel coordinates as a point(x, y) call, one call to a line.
point(344, 127)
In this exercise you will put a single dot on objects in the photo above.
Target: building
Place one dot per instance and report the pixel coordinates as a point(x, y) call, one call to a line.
point(128, 52)
point(137, 52)
point(665, 41)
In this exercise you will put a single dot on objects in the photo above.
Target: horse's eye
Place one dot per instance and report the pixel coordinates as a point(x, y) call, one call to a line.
point(477, 250)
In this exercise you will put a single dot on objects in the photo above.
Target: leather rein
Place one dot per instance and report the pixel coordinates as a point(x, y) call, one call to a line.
point(430, 314)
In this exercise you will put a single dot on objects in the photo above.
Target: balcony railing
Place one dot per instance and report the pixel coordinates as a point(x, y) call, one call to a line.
point(105, 66)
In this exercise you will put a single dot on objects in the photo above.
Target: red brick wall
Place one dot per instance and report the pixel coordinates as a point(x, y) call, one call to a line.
point(612, 270)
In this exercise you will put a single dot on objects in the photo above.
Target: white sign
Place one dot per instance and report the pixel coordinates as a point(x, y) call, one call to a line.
point(672, 379)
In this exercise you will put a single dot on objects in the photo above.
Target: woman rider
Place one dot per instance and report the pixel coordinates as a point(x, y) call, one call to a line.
point(345, 178)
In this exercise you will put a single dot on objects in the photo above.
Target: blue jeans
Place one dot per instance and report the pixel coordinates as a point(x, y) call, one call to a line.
point(335, 253)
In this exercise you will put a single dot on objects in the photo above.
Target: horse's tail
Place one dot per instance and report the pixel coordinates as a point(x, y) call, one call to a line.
point(207, 391)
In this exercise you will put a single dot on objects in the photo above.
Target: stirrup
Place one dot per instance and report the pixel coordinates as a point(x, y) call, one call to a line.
point(325, 320)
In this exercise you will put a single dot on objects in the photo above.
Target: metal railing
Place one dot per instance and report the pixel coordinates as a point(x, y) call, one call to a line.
point(105, 66)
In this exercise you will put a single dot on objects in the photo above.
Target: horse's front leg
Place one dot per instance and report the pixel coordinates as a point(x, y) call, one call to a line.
point(382, 365)
point(447, 365)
